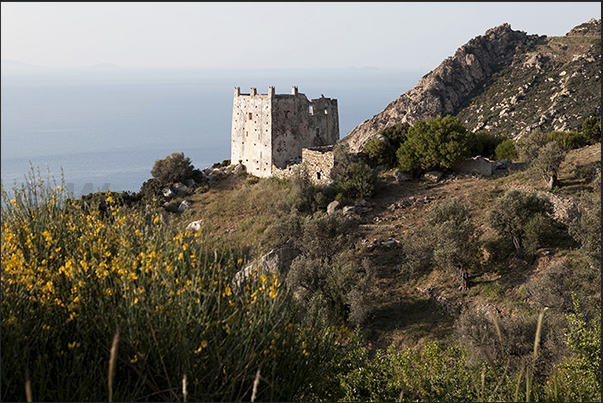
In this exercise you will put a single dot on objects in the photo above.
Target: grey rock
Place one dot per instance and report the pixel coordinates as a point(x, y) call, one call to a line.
point(184, 205)
point(167, 192)
point(180, 188)
point(433, 176)
point(277, 261)
point(347, 210)
point(334, 205)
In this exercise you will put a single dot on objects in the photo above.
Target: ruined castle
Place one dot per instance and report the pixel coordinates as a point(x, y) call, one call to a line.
point(272, 133)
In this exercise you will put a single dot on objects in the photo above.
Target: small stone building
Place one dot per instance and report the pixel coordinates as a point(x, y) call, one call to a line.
point(273, 132)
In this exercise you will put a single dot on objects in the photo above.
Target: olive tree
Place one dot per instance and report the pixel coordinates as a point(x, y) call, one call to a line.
point(456, 239)
point(547, 163)
point(513, 213)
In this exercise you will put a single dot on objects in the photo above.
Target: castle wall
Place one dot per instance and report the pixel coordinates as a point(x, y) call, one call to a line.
point(298, 123)
point(318, 163)
point(251, 139)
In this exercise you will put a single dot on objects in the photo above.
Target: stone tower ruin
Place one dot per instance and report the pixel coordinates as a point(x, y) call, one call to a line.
point(270, 130)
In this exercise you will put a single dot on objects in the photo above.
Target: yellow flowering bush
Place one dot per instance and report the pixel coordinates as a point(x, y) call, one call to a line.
point(73, 275)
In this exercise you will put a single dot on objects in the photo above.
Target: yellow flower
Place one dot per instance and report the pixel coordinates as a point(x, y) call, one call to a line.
point(156, 220)
point(201, 347)
point(109, 199)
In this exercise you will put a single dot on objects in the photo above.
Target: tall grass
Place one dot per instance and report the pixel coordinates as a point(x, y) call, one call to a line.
point(75, 275)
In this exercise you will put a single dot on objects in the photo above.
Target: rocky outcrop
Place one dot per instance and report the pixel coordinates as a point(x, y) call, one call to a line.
point(505, 82)
point(277, 261)
point(590, 28)
point(447, 88)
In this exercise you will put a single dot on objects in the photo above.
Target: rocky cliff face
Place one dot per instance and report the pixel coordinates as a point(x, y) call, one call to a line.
point(505, 81)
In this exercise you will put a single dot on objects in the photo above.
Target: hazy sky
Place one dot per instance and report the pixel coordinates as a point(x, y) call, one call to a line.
point(414, 36)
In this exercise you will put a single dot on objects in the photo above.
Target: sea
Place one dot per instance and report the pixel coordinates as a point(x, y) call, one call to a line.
point(103, 130)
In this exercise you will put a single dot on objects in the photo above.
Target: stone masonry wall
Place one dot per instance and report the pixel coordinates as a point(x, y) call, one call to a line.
point(318, 163)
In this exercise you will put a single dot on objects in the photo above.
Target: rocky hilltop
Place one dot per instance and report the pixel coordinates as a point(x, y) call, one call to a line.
point(506, 82)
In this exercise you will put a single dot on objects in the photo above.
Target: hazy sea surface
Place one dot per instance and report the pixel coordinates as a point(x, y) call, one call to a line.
point(106, 129)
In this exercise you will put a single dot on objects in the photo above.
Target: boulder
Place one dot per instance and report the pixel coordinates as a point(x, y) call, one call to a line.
point(277, 261)
point(433, 176)
point(167, 192)
point(348, 210)
point(184, 205)
point(195, 225)
point(334, 205)
point(180, 188)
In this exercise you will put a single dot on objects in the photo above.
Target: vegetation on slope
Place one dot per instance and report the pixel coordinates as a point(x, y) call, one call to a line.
point(521, 326)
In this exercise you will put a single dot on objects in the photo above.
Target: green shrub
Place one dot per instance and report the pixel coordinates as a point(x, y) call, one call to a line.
point(511, 212)
point(578, 377)
point(529, 145)
point(591, 128)
point(436, 143)
point(456, 246)
point(222, 164)
point(484, 143)
point(380, 152)
point(73, 278)
point(396, 134)
point(586, 228)
point(173, 168)
point(567, 140)
point(547, 162)
point(505, 150)
point(358, 182)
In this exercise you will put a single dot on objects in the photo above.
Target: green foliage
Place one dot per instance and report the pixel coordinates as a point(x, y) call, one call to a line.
point(511, 213)
point(578, 377)
point(396, 134)
point(536, 230)
point(547, 163)
point(357, 182)
point(379, 152)
point(150, 193)
point(591, 128)
point(222, 164)
point(72, 278)
point(456, 246)
point(305, 196)
point(426, 373)
point(436, 143)
point(505, 150)
point(327, 281)
point(586, 229)
point(529, 145)
point(484, 143)
point(173, 168)
point(568, 140)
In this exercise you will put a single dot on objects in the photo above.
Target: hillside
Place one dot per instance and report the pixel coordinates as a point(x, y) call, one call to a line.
point(506, 82)
point(409, 306)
